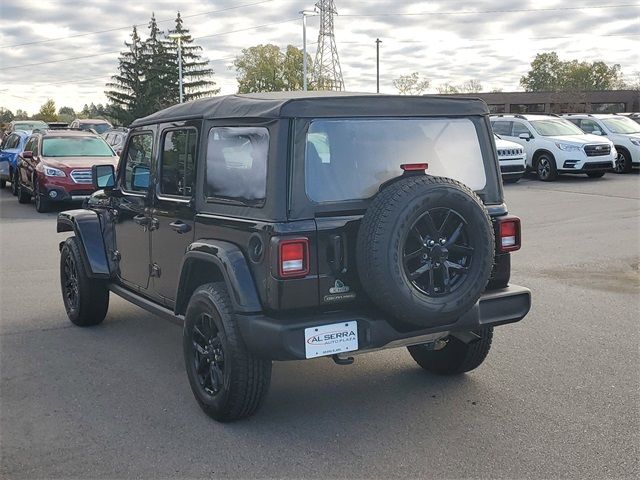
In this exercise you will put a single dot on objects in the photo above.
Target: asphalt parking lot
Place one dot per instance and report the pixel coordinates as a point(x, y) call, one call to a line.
point(557, 397)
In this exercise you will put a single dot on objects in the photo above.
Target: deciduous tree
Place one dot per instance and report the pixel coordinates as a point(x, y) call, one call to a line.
point(411, 84)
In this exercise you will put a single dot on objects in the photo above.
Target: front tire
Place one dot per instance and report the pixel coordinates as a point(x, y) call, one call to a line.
point(228, 381)
point(42, 204)
point(623, 162)
point(85, 299)
point(14, 183)
point(456, 357)
point(546, 168)
point(23, 196)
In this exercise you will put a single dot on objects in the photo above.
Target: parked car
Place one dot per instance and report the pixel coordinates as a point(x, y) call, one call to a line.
point(55, 166)
point(512, 160)
point(27, 125)
point(12, 146)
point(98, 125)
point(290, 226)
point(621, 130)
point(116, 138)
point(553, 145)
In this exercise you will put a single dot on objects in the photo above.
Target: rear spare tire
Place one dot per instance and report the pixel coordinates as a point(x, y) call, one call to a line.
point(425, 250)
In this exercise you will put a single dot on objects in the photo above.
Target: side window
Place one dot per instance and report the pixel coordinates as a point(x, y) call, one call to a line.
point(589, 126)
point(519, 128)
point(502, 128)
point(137, 166)
point(11, 142)
point(237, 164)
point(177, 169)
point(32, 145)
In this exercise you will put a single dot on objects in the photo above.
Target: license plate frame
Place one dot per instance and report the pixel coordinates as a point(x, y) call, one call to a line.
point(331, 339)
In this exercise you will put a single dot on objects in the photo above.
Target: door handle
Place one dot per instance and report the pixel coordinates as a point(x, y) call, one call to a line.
point(180, 227)
point(142, 220)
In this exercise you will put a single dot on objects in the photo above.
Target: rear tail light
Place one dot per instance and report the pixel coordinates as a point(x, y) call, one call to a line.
point(414, 167)
point(508, 234)
point(293, 260)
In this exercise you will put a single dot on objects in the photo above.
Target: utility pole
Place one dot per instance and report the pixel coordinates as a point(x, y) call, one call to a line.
point(378, 42)
point(305, 14)
point(179, 37)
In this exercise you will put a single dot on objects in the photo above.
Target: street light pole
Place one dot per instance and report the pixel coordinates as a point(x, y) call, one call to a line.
point(179, 37)
point(378, 42)
point(305, 14)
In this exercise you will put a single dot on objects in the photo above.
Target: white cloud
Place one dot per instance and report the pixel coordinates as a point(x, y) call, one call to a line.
point(447, 45)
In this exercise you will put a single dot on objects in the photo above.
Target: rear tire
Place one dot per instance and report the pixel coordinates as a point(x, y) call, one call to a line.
point(595, 174)
point(85, 299)
point(228, 381)
point(546, 167)
point(456, 357)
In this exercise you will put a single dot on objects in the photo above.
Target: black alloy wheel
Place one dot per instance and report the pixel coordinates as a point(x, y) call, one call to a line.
point(545, 169)
point(208, 355)
point(70, 286)
point(622, 163)
point(436, 253)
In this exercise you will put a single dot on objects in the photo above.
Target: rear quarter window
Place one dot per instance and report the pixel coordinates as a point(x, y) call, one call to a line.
point(236, 168)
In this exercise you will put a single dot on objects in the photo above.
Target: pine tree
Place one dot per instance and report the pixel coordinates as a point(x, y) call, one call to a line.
point(161, 70)
point(127, 88)
point(196, 75)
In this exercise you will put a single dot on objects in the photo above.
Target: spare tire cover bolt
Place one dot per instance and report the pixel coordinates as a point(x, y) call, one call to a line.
point(432, 243)
point(443, 241)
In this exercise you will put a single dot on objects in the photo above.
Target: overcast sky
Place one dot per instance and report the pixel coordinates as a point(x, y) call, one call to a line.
point(445, 40)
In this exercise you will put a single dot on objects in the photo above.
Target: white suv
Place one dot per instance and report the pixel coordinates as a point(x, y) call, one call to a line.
point(512, 159)
point(553, 145)
point(622, 131)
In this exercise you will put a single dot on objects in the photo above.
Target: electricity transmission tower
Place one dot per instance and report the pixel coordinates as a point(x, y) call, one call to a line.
point(327, 74)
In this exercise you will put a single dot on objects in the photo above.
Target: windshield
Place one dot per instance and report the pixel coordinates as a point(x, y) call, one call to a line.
point(76, 147)
point(621, 125)
point(29, 125)
point(550, 128)
point(348, 159)
point(100, 128)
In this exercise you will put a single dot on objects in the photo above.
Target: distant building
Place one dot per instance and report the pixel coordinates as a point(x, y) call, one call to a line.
point(600, 101)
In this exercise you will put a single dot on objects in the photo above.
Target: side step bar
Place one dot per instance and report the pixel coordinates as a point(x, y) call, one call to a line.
point(146, 304)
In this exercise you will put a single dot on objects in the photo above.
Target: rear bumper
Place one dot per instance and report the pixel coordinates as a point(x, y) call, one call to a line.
point(283, 338)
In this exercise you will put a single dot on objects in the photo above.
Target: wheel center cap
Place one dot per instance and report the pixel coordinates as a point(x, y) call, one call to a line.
point(439, 253)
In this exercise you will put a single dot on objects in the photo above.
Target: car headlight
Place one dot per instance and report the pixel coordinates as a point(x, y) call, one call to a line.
point(568, 147)
point(53, 172)
point(636, 141)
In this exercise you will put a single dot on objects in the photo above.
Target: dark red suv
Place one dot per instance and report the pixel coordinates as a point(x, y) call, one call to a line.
point(56, 166)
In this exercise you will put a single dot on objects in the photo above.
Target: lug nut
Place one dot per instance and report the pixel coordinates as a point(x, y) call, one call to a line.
point(443, 241)
point(432, 243)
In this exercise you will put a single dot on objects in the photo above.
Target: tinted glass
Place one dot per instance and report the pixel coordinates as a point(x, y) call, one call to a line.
point(100, 128)
point(348, 159)
point(589, 126)
point(178, 162)
point(502, 128)
point(138, 162)
point(31, 145)
point(548, 128)
point(29, 126)
point(519, 128)
point(75, 147)
point(237, 164)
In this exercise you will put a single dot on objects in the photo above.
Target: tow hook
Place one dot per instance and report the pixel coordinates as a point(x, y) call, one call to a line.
point(342, 360)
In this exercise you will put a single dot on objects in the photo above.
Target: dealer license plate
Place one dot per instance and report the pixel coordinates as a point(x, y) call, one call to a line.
point(331, 339)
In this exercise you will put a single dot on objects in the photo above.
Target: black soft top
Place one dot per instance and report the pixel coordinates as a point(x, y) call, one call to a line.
point(316, 104)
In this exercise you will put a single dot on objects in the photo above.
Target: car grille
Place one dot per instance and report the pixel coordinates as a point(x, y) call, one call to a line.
point(597, 150)
point(596, 165)
point(81, 176)
point(509, 152)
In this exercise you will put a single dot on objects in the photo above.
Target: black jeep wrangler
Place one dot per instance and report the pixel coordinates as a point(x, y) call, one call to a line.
point(294, 226)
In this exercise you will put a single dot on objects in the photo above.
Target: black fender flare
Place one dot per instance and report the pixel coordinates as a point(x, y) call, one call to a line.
point(86, 226)
point(232, 265)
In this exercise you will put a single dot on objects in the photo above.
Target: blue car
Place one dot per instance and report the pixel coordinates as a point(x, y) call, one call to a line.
point(11, 147)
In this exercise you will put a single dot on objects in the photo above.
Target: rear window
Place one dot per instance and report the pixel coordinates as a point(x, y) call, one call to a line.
point(99, 128)
point(348, 159)
point(237, 164)
point(75, 147)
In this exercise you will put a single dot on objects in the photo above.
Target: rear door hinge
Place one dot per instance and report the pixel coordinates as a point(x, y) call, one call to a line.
point(154, 270)
point(115, 255)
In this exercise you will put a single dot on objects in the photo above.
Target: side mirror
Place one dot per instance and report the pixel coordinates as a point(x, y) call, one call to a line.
point(596, 132)
point(27, 154)
point(140, 179)
point(103, 177)
point(525, 136)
